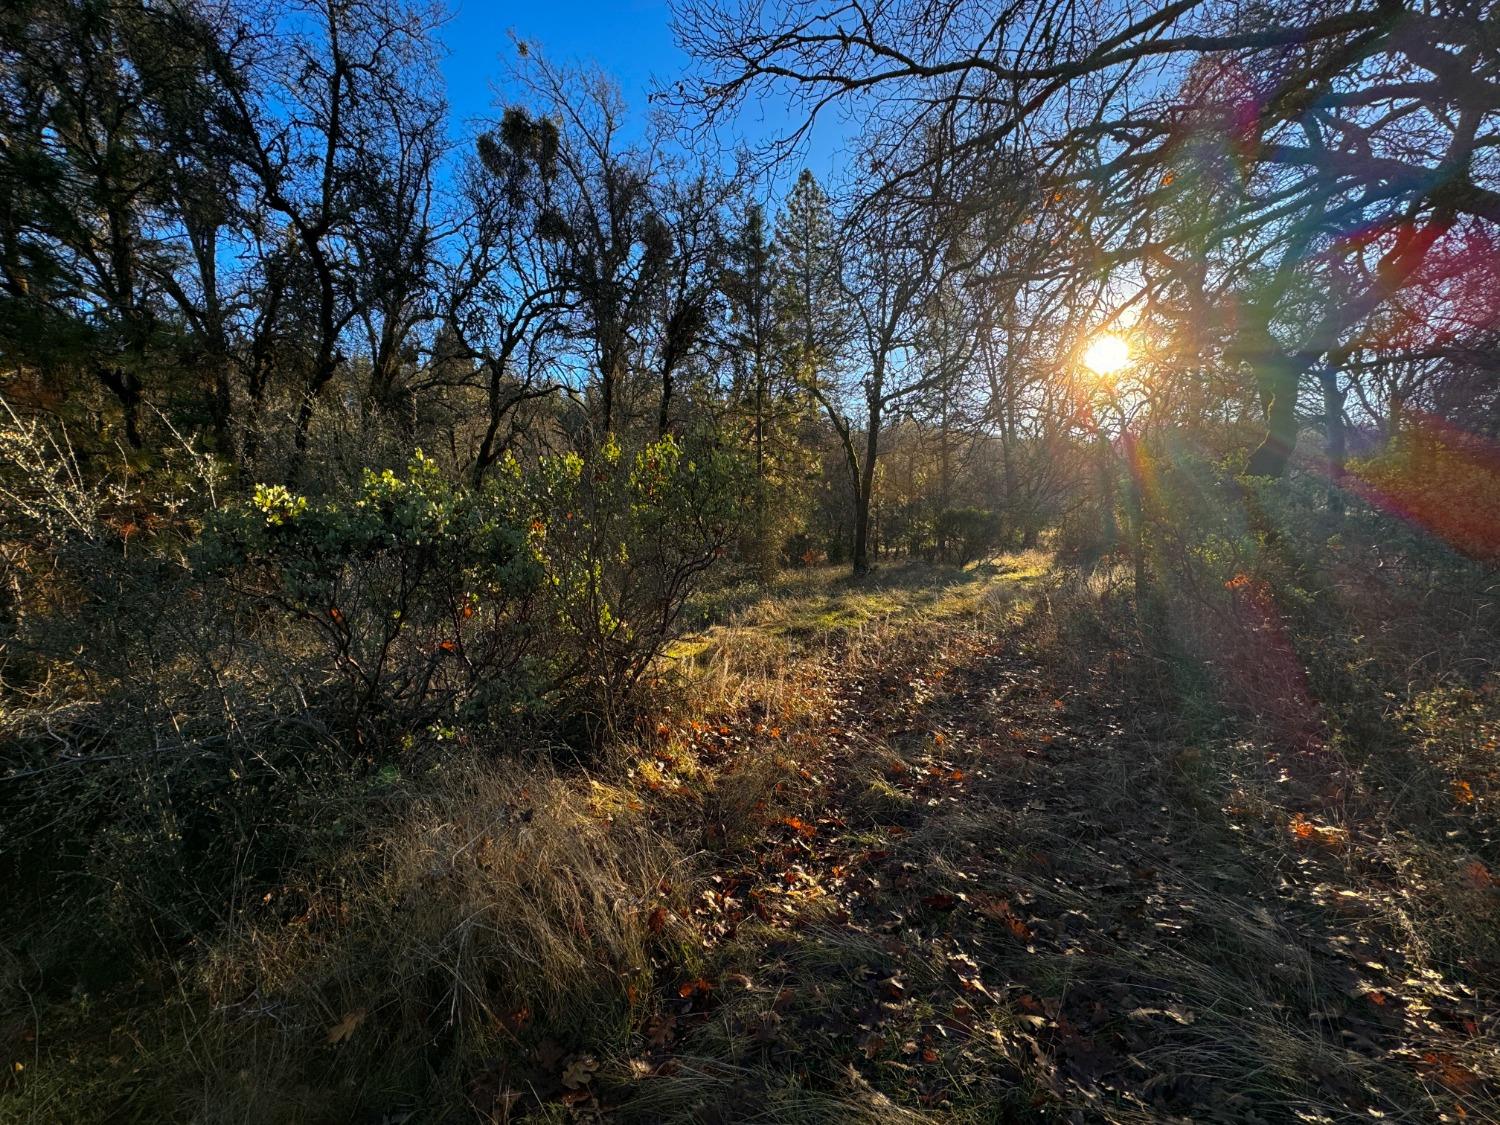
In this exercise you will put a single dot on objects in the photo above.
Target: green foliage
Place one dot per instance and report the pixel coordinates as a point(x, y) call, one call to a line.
point(966, 534)
point(623, 540)
point(321, 653)
point(419, 594)
point(551, 587)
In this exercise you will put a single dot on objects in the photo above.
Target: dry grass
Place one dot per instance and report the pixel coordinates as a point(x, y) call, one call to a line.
point(939, 847)
point(503, 905)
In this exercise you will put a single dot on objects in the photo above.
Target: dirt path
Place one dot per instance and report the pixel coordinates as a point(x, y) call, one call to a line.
point(999, 895)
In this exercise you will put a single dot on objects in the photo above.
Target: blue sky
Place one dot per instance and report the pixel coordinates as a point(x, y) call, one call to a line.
point(631, 39)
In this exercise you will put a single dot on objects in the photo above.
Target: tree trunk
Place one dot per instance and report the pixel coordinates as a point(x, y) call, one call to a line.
point(126, 387)
point(663, 417)
point(323, 372)
point(861, 556)
point(1281, 378)
point(1336, 438)
point(608, 370)
point(766, 561)
point(1135, 513)
point(1106, 470)
point(863, 495)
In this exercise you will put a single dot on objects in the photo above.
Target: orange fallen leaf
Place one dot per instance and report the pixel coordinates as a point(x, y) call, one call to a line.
point(1447, 1070)
point(346, 1026)
point(1304, 829)
point(1463, 792)
point(1000, 910)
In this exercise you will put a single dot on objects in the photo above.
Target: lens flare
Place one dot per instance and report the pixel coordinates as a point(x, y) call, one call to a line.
point(1107, 354)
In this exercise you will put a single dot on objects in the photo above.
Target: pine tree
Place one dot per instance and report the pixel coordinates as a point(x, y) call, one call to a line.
point(771, 400)
point(809, 299)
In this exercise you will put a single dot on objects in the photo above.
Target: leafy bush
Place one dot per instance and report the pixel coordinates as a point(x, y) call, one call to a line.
point(623, 540)
point(967, 533)
point(435, 603)
point(420, 597)
point(211, 696)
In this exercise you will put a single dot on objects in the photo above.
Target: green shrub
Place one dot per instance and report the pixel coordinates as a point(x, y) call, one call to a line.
point(553, 587)
point(967, 533)
point(623, 541)
point(420, 597)
point(213, 702)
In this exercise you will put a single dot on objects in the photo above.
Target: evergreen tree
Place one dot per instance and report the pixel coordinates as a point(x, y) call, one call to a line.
point(809, 299)
point(757, 344)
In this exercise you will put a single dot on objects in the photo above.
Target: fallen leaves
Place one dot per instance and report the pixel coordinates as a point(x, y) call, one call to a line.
point(1448, 1071)
point(1000, 910)
point(580, 1072)
point(800, 826)
point(1306, 830)
point(970, 978)
point(346, 1027)
point(1177, 1013)
point(1075, 862)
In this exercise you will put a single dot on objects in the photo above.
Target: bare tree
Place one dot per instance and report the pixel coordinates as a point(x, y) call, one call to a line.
point(348, 106)
point(602, 215)
point(505, 295)
point(890, 274)
point(1324, 118)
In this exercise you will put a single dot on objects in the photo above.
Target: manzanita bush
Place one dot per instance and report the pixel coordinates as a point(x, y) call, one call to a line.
point(436, 606)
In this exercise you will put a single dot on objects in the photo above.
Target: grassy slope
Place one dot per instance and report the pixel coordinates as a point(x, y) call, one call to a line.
point(935, 847)
point(1012, 890)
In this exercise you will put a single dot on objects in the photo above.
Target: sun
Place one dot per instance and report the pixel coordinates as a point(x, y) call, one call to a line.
point(1107, 354)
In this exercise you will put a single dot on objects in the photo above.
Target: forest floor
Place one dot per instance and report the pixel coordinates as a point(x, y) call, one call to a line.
point(939, 846)
point(995, 882)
